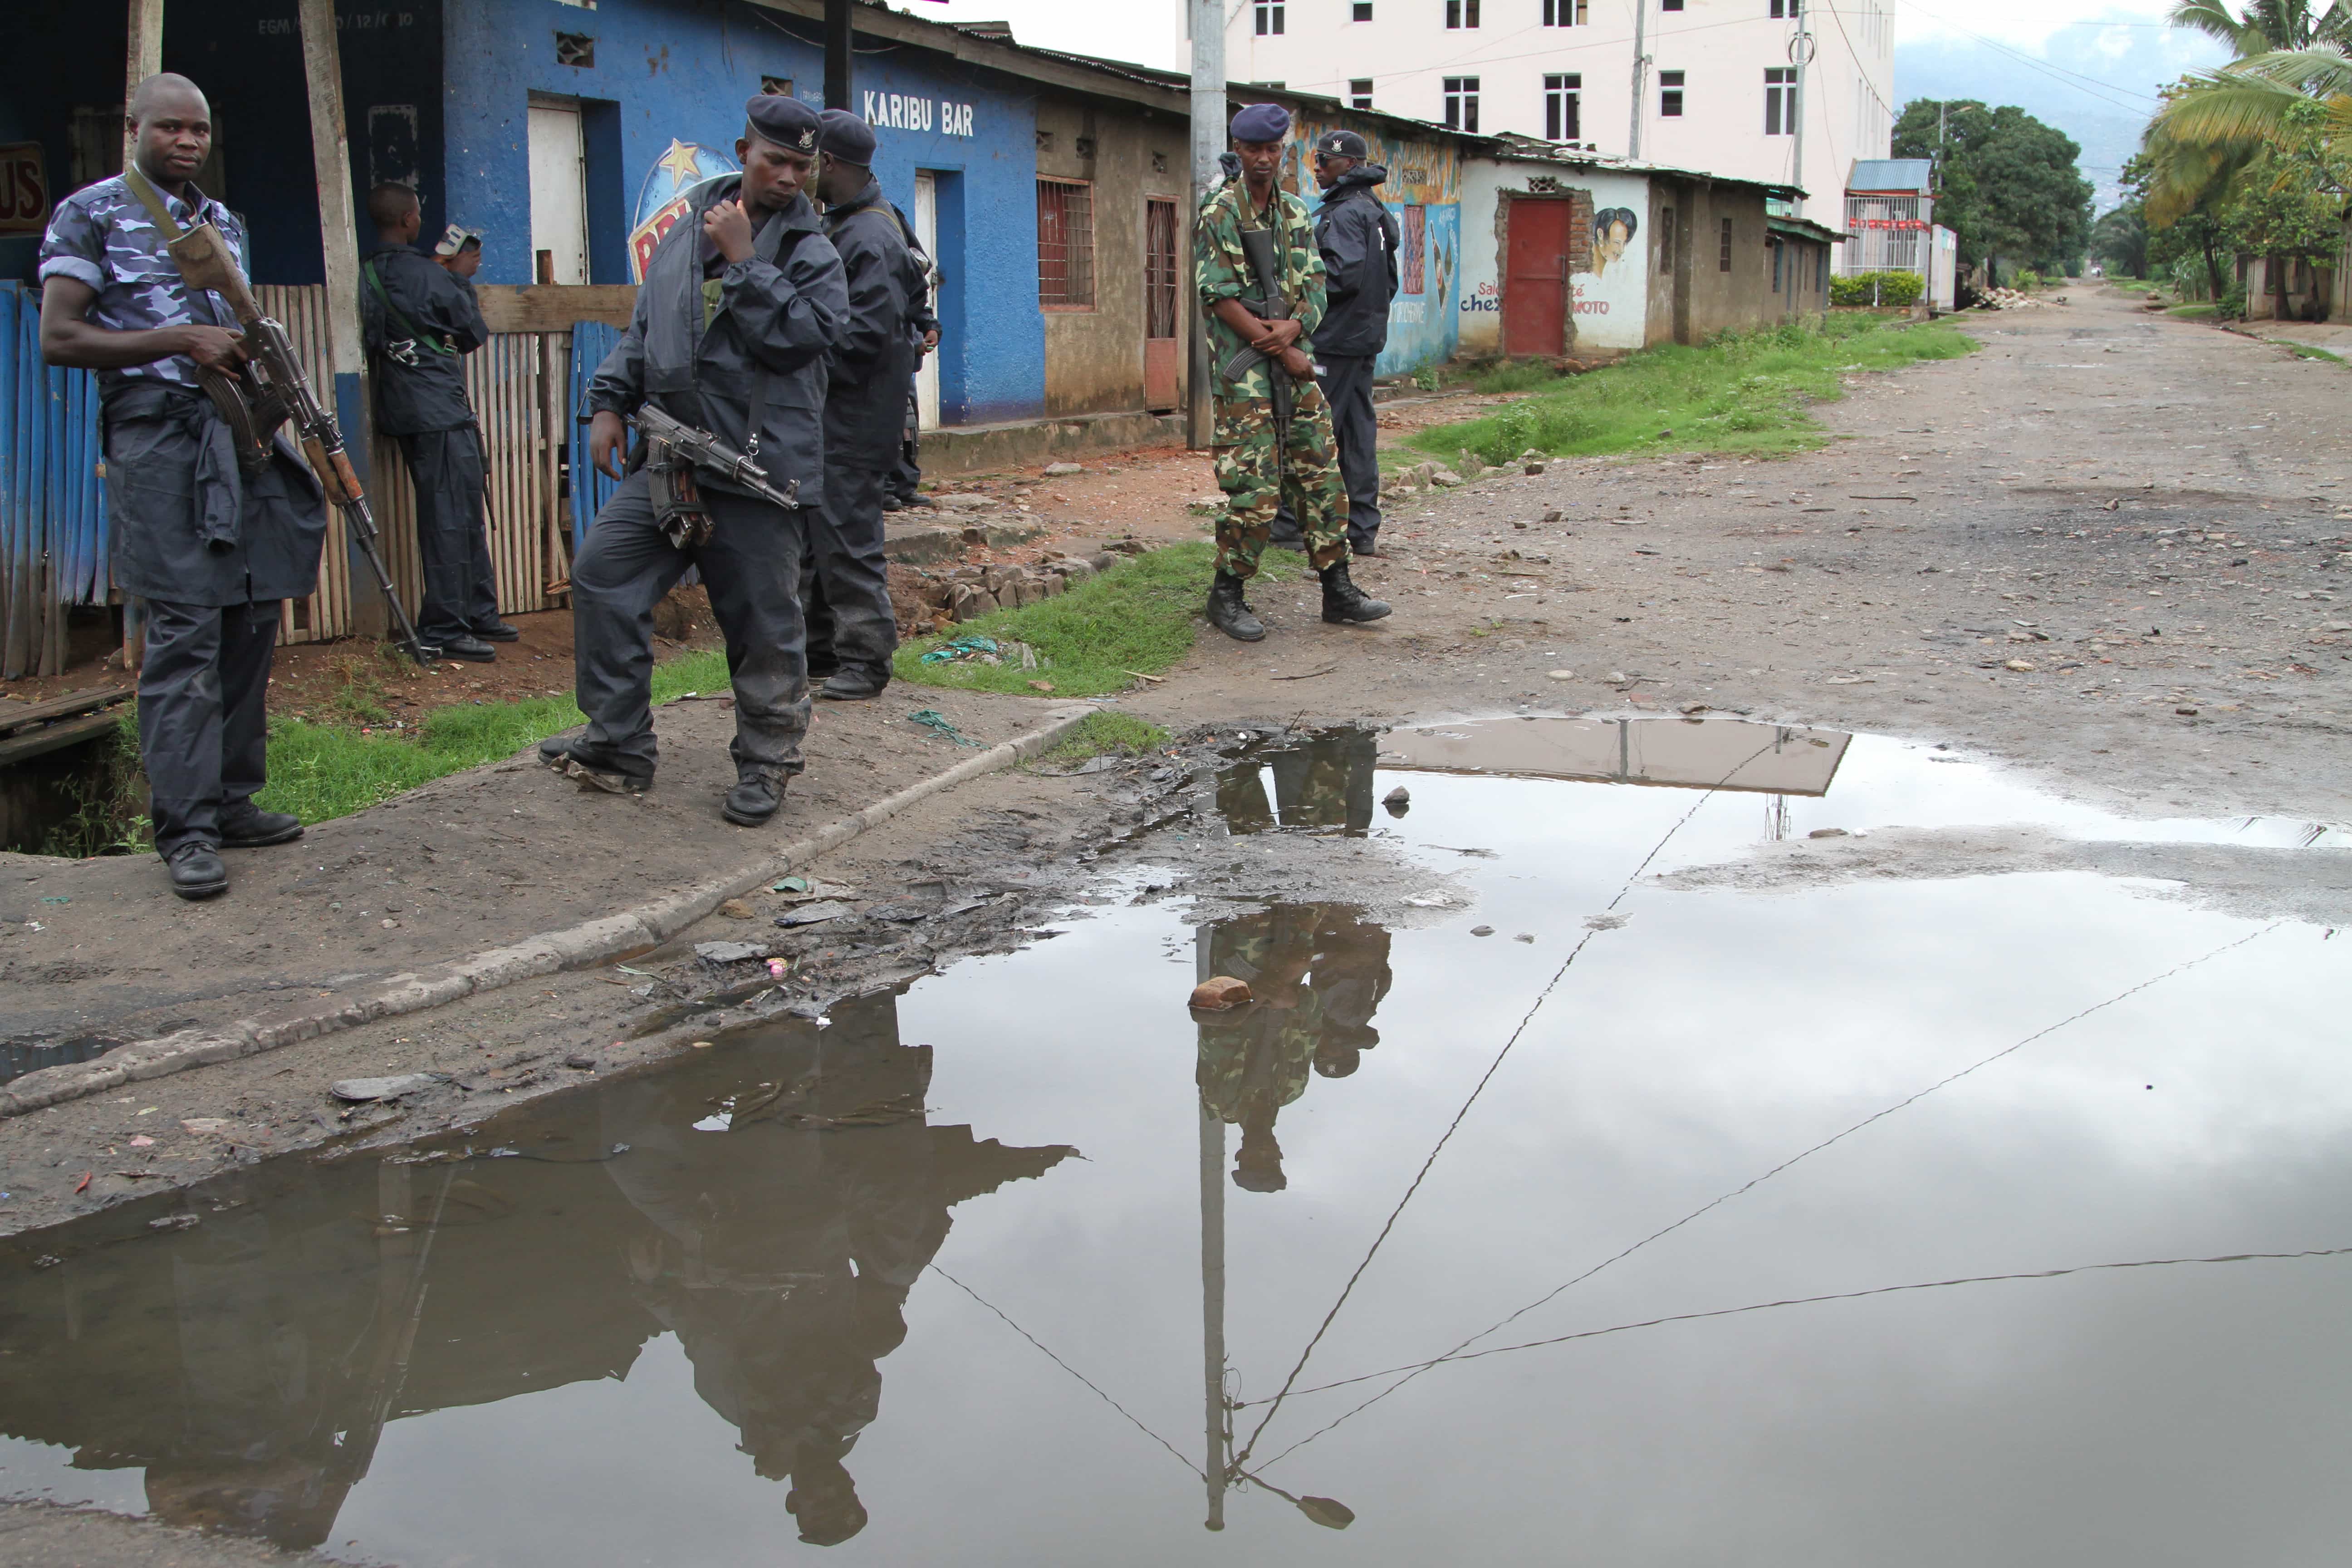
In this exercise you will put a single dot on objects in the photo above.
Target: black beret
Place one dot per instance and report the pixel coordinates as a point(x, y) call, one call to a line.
point(846, 136)
point(1262, 122)
point(1342, 144)
point(786, 122)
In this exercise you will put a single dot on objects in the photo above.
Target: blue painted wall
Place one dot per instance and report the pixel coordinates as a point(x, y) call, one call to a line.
point(681, 69)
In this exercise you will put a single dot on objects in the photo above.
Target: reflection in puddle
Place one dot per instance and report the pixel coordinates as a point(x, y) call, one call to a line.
point(1786, 1231)
point(1697, 753)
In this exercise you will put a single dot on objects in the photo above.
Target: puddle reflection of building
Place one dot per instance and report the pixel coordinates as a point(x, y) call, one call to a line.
point(251, 1361)
point(1317, 973)
point(1323, 782)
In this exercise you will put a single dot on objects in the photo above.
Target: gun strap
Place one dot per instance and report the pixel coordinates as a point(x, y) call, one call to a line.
point(367, 270)
point(152, 200)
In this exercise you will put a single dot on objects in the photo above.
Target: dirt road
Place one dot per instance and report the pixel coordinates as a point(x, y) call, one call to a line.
point(2109, 550)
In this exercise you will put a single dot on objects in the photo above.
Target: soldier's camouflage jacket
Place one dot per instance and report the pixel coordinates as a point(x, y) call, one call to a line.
point(1220, 271)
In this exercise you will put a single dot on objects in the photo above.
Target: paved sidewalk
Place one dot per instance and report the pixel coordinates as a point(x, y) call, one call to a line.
point(95, 952)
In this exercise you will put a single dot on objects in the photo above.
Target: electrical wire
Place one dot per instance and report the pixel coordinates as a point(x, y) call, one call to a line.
point(1275, 1403)
point(1409, 1374)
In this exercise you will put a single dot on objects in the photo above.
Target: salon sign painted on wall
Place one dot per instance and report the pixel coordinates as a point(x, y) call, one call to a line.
point(906, 111)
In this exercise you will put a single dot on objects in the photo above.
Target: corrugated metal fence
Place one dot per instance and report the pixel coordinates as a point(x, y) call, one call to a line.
point(53, 529)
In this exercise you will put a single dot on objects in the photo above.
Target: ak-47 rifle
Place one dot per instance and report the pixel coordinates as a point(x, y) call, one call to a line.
point(709, 453)
point(1257, 248)
point(271, 389)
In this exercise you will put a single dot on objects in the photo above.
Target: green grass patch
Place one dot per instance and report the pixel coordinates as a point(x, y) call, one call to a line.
point(1136, 616)
point(2305, 351)
point(319, 772)
point(2204, 312)
point(2133, 285)
point(1743, 391)
point(1100, 734)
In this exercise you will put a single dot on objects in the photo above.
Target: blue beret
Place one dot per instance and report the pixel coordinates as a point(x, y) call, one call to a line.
point(786, 122)
point(846, 136)
point(1262, 122)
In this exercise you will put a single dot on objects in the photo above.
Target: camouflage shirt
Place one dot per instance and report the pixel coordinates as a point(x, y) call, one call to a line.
point(1222, 271)
point(102, 235)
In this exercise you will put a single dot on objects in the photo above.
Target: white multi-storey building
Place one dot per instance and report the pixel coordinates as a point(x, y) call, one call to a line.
point(1743, 88)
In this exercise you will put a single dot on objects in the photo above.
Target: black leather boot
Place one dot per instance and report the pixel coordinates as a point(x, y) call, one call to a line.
point(752, 801)
point(574, 758)
point(1343, 602)
point(1230, 616)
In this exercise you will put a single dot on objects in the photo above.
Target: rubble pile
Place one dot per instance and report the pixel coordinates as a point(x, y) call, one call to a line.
point(2012, 300)
point(939, 599)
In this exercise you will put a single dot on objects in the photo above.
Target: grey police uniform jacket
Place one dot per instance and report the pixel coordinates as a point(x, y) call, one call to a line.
point(874, 364)
point(421, 387)
point(779, 315)
point(1359, 239)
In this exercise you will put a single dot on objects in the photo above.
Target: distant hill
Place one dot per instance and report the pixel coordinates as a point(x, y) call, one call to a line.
point(2103, 114)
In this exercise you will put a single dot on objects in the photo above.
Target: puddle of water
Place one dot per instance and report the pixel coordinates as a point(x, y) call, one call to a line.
point(1000, 1296)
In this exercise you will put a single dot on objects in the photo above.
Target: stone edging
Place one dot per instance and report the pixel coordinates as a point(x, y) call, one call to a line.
point(590, 942)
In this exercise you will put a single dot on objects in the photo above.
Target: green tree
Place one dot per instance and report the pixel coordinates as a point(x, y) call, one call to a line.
point(2008, 186)
point(2119, 239)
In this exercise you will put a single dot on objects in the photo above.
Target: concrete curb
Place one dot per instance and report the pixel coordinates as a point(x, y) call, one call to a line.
point(590, 942)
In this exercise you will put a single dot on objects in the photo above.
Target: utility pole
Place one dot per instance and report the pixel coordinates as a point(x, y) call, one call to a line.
point(1800, 51)
point(838, 32)
point(1640, 68)
point(1208, 31)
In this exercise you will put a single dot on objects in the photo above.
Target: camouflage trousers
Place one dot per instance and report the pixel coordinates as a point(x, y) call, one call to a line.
point(1257, 473)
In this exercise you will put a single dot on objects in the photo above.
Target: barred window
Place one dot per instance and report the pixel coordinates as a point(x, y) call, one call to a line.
point(1065, 245)
point(1723, 256)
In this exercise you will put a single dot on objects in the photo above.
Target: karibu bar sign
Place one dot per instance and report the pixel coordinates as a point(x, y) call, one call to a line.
point(904, 111)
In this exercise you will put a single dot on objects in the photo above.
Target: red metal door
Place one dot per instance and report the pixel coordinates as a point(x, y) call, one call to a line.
point(1534, 279)
point(1160, 305)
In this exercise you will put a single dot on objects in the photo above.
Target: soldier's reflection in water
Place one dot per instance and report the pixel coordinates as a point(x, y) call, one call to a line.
point(1317, 973)
point(250, 1362)
point(788, 1225)
point(1327, 781)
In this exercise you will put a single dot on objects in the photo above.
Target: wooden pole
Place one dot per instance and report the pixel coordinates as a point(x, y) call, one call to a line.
point(838, 67)
point(142, 59)
point(339, 236)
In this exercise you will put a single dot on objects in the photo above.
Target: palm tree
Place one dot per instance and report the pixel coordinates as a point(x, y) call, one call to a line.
point(2266, 27)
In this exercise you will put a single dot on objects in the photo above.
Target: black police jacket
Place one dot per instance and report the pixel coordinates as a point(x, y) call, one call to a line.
point(418, 332)
point(780, 313)
point(1359, 239)
point(875, 361)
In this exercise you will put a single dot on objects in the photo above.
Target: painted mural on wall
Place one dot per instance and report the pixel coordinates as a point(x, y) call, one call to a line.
point(1424, 191)
point(663, 196)
point(1614, 286)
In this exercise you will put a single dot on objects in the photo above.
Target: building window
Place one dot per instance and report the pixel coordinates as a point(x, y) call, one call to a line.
point(775, 86)
point(1723, 256)
point(1670, 4)
point(1665, 242)
point(1461, 13)
point(1361, 11)
point(1784, 8)
point(1565, 12)
point(575, 49)
point(1780, 100)
point(1360, 92)
point(1065, 245)
point(1412, 251)
point(1778, 251)
point(1269, 17)
point(1670, 95)
point(1562, 123)
point(1460, 103)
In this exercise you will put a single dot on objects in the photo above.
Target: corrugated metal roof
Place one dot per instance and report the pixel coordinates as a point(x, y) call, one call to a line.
point(1911, 175)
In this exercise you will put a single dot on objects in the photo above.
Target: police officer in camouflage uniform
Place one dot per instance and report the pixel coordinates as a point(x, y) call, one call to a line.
point(1258, 465)
point(741, 304)
point(211, 548)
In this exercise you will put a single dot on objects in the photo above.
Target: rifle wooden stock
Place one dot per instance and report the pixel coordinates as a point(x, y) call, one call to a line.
point(207, 262)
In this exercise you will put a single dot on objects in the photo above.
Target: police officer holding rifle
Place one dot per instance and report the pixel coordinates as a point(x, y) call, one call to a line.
point(723, 372)
point(215, 521)
point(1260, 278)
